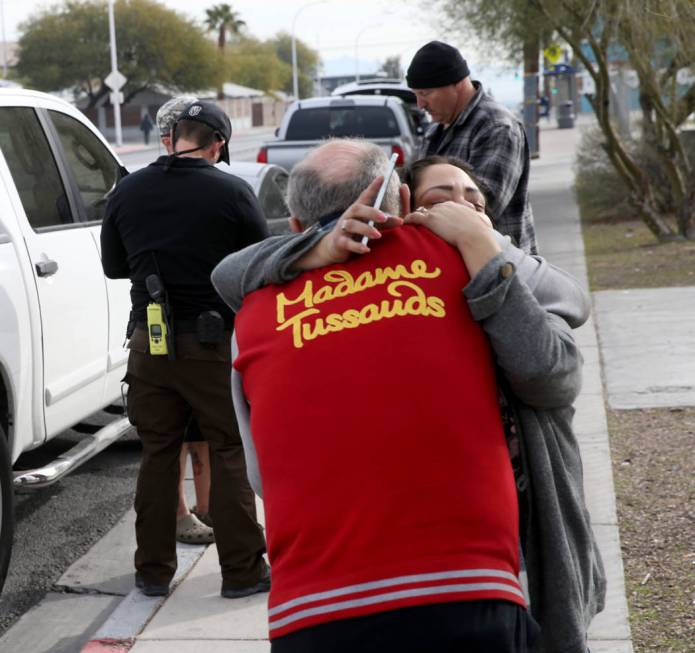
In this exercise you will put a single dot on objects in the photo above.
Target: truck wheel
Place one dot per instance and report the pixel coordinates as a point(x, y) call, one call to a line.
point(6, 507)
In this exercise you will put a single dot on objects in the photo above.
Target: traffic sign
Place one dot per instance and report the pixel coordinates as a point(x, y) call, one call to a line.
point(631, 78)
point(588, 85)
point(116, 97)
point(553, 53)
point(115, 80)
point(685, 76)
point(559, 69)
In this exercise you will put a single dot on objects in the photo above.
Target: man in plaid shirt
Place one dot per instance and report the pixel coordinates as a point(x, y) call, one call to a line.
point(471, 126)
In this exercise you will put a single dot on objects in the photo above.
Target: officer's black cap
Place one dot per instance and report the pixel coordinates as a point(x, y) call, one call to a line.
point(211, 115)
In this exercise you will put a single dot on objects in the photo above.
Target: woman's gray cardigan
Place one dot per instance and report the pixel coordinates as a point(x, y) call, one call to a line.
point(528, 318)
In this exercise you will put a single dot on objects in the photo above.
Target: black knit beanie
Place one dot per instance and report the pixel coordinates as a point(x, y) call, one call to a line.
point(436, 64)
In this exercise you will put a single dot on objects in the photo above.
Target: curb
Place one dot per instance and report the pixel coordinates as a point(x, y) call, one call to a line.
point(108, 645)
point(118, 633)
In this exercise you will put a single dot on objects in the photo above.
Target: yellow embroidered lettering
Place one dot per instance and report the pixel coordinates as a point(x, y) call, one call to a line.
point(392, 309)
point(407, 298)
point(364, 281)
point(323, 294)
point(436, 306)
point(369, 313)
point(344, 280)
point(351, 318)
point(296, 323)
point(319, 329)
point(334, 322)
point(282, 301)
point(419, 270)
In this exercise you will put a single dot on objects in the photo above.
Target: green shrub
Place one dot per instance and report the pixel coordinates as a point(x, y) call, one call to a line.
point(603, 196)
point(601, 193)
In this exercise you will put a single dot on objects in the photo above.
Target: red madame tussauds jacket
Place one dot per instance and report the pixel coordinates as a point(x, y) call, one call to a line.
point(384, 467)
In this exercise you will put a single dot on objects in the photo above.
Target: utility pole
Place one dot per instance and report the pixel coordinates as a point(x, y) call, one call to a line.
point(4, 40)
point(295, 71)
point(116, 96)
point(357, 52)
point(531, 57)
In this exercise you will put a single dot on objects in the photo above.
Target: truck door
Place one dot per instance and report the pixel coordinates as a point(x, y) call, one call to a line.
point(66, 272)
point(94, 172)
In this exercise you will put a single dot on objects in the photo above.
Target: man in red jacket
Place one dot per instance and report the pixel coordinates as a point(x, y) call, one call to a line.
point(378, 447)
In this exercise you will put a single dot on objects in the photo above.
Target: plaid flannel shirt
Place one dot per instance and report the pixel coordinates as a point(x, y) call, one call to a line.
point(492, 141)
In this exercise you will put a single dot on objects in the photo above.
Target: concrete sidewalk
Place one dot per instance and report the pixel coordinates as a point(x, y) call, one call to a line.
point(560, 241)
point(115, 617)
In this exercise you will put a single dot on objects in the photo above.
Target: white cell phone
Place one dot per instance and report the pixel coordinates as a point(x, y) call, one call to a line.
point(382, 190)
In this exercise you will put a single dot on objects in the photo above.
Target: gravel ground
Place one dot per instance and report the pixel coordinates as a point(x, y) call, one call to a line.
point(654, 469)
point(626, 255)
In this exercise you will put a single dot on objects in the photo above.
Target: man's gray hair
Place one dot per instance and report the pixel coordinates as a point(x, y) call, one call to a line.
point(315, 192)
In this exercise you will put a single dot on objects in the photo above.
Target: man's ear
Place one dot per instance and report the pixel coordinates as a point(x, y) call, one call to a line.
point(217, 148)
point(405, 199)
point(295, 225)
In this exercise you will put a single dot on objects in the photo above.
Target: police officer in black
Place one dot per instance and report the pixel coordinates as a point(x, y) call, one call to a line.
point(173, 222)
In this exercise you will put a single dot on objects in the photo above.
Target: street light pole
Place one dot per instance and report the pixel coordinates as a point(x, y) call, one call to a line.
point(357, 56)
point(295, 74)
point(4, 40)
point(115, 96)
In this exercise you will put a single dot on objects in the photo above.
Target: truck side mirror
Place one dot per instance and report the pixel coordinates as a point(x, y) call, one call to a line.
point(276, 132)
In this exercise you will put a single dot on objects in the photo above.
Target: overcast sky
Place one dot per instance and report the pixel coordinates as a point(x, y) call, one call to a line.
point(378, 28)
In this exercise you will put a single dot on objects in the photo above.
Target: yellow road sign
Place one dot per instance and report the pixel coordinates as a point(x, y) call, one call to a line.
point(553, 53)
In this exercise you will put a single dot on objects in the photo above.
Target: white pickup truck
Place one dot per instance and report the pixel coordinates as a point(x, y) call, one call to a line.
point(62, 323)
point(381, 119)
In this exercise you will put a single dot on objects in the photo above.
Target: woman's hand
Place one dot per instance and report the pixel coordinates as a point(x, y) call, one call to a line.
point(346, 236)
point(456, 223)
point(462, 226)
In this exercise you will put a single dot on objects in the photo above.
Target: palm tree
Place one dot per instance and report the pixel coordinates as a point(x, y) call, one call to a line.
point(222, 18)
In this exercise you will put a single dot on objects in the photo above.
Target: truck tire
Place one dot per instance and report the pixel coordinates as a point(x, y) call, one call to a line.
point(6, 507)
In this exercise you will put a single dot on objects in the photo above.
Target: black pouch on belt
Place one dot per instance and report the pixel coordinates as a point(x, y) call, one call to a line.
point(210, 328)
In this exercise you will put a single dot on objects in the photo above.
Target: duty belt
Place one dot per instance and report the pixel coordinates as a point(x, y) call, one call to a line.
point(180, 326)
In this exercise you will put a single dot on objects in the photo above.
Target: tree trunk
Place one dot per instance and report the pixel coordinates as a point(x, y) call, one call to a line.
point(686, 216)
point(221, 42)
point(532, 53)
point(95, 97)
point(127, 98)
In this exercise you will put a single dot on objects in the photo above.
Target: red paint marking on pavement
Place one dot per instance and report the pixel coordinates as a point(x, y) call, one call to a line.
point(108, 646)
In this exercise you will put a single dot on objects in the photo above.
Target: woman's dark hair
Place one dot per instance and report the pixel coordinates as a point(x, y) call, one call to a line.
point(413, 172)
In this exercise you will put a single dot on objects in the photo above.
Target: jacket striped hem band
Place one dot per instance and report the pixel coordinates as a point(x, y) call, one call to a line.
point(402, 588)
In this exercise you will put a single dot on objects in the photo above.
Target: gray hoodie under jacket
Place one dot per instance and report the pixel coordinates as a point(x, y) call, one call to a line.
point(528, 318)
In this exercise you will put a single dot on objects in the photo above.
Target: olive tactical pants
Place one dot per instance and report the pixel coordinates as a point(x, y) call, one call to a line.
point(162, 396)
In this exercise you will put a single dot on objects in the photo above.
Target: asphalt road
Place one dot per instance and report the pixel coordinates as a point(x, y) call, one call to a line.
point(242, 147)
point(60, 523)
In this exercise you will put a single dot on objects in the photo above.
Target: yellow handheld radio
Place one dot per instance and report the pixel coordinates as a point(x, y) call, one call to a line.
point(158, 329)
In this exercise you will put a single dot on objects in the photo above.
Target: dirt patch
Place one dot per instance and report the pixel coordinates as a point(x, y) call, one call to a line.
point(625, 255)
point(654, 470)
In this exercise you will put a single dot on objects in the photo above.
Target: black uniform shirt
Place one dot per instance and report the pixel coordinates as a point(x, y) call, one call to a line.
point(190, 215)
